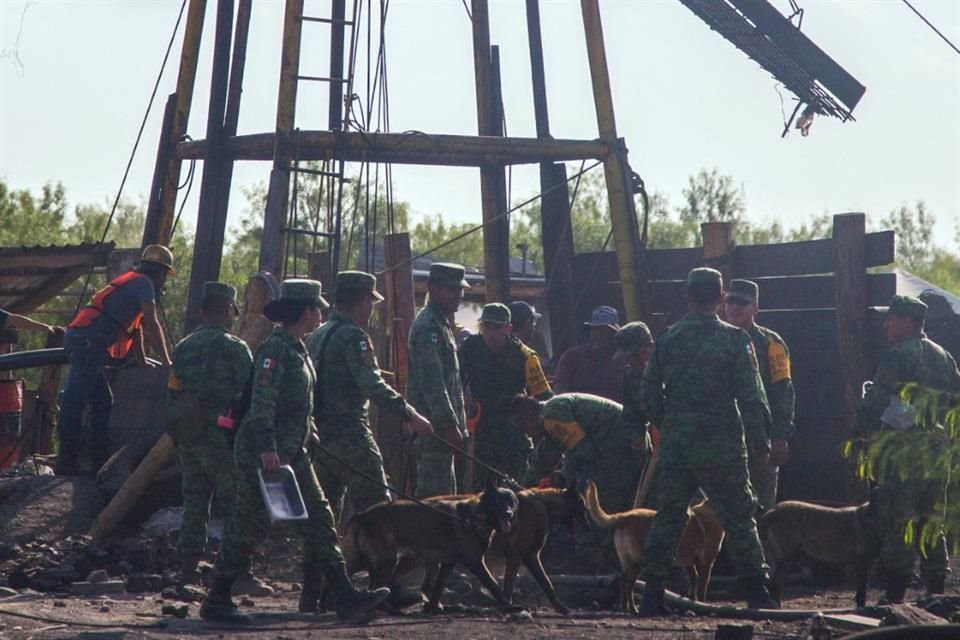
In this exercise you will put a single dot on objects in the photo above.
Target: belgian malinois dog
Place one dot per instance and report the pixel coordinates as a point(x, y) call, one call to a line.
point(451, 530)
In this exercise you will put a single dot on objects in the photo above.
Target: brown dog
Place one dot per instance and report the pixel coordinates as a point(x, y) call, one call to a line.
point(539, 508)
point(451, 530)
point(839, 535)
point(696, 551)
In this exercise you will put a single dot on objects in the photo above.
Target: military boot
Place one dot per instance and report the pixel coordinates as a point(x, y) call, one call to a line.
point(250, 585)
point(218, 607)
point(309, 601)
point(403, 597)
point(68, 465)
point(758, 594)
point(189, 574)
point(353, 604)
point(896, 589)
point(651, 602)
point(936, 585)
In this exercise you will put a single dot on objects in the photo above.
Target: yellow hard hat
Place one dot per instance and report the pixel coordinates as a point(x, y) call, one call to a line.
point(159, 254)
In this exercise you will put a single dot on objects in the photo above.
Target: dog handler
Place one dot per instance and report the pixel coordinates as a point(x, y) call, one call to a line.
point(274, 432)
point(702, 387)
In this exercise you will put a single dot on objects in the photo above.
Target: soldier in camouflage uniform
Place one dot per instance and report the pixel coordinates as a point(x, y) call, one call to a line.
point(275, 430)
point(209, 366)
point(495, 366)
point(912, 358)
point(434, 387)
point(702, 387)
point(347, 379)
point(588, 432)
point(773, 357)
point(634, 346)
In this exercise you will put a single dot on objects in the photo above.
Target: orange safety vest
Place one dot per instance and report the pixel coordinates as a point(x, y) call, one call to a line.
point(92, 311)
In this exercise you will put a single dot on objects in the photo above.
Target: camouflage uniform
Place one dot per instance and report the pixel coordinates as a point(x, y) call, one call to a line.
point(209, 367)
point(702, 370)
point(348, 376)
point(921, 361)
point(280, 419)
point(773, 358)
point(434, 390)
point(590, 431)
point(493, 379)
point(637, 423)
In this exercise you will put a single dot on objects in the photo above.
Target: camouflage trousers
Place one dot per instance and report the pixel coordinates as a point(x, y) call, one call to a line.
point(435, 472)
point(353, 444)
point(727, 484)
point(899, 501)
point(207, 470)
point(505, 451)
point(250, 522)
point(764, 480)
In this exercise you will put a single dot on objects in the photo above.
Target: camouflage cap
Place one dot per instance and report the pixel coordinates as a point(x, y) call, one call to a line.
point(358, 280)
point(448, 274)
point(219, 291)
point(745, 290)
point(704, 275)
point(495, 313)
point(908, 306)
point(302, 290)
point(630, 338)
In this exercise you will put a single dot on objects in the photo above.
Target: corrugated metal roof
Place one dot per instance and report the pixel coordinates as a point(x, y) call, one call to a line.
point(30, 276)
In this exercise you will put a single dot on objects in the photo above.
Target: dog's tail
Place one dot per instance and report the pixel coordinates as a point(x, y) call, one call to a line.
point(600, 517)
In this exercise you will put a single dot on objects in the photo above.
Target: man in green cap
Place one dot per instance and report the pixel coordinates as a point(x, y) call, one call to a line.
point(348, 377)
point(702, 387)
point(434, 387)
point(496, 366)
point(589, 433)
point(911, 359)
point(210, 366)
point(741, 306)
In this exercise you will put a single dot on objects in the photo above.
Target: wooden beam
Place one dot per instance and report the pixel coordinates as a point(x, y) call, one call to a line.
point(400, 312)
point(849, 232)
point(409, 148)
point(49, 290)
point(280, 148)
point(212, 214)
point(186, 79)
point(622, 214)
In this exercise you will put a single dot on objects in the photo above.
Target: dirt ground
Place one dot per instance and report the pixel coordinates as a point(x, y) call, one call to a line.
point(45, 510)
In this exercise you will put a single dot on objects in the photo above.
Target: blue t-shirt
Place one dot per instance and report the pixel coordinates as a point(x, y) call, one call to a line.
point(119, 310)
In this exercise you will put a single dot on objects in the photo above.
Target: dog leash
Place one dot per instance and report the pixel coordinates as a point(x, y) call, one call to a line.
point(387, 486)
point(500, 474)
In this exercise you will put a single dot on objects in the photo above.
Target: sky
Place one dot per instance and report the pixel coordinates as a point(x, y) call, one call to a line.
point(76, 76)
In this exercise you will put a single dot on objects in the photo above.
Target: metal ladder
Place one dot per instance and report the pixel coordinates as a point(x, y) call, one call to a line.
point(287, 158)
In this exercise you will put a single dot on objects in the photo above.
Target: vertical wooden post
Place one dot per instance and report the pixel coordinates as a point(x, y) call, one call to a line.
point(497, 234)
point(160, 231)
point(849, 238)
point(164, 147)
point(492, 182)
point(622, 215)
point(271, 246)
point(337, 29)
point(400, 310)
point(717, 247)
point(208, 242)
point(556, 236)
point(318, 266)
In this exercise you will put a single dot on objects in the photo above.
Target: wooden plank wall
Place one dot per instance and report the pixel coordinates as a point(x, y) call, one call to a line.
point(798, 299)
